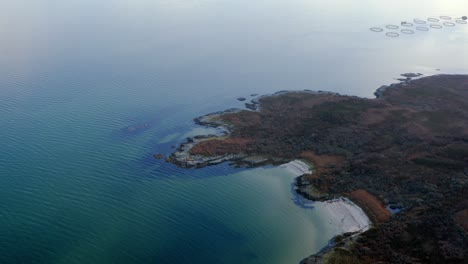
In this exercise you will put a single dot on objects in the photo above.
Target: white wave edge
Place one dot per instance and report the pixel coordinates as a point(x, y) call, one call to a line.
point(297, 167)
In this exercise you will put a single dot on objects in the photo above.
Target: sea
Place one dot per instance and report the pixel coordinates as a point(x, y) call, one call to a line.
point(90, 90)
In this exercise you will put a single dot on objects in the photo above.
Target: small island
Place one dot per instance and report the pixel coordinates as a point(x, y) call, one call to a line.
point(402, 157)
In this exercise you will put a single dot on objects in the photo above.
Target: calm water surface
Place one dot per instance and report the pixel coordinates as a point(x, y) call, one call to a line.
point(89, 90)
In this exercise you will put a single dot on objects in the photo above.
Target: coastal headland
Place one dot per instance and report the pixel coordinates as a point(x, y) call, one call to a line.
point(402, 157)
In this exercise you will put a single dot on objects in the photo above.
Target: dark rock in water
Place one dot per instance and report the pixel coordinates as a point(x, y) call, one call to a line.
point(411, 74)
point(159, 156)
point(241, 99)
point(253, 95)
point(464, 17)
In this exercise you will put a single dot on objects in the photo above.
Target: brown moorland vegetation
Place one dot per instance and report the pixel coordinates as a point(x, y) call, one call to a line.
point(407, 149)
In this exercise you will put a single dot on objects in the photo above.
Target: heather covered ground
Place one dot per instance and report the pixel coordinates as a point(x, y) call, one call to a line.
point(407, 151)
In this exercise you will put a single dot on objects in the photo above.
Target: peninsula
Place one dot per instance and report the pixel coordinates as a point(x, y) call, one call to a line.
point(402, 157)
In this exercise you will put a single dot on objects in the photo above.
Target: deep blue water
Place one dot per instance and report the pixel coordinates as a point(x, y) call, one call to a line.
point(79, 185)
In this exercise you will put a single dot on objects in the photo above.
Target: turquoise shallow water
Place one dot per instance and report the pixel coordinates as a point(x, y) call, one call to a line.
point(79, 189)
point(78, 185)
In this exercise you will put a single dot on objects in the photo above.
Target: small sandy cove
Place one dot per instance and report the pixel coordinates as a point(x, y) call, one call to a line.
point(342, 212)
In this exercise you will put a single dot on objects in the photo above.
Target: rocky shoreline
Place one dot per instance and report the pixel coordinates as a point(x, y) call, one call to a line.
point(182, 157)
point(379, 93)
point(405, 150)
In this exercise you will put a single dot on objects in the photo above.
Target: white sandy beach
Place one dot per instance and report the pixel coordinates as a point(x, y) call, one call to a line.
point(342, 213)
point(346, 215)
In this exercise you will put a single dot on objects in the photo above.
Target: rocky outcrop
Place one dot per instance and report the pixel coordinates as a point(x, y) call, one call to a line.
point(411, 75)
point(183, 157)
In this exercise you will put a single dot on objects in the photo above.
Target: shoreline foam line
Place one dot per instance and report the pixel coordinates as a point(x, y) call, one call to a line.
point(297, 167)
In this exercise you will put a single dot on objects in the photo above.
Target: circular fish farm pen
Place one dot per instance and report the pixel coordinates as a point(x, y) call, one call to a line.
point(407, 31)
point(376, 29)
point(419, 21)
point(392, 34)
point(406, 24)
point(419, 24)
